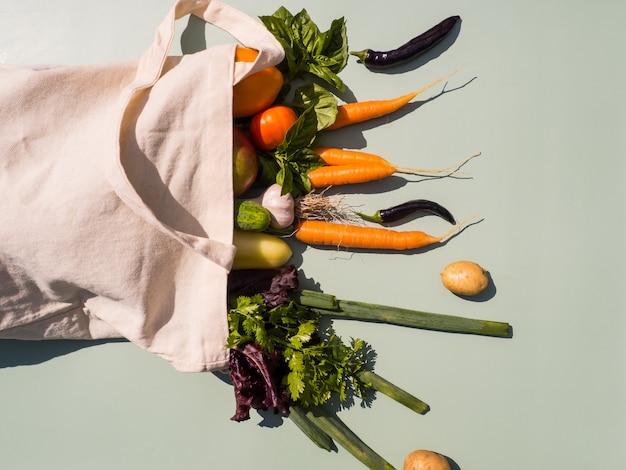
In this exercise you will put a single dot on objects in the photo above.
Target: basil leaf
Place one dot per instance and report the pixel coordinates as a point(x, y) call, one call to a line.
point(337, 45)
point(307, 160)
point(283, 14)
point(294, 156)
point(302, 133)
point(305, 29)
point(282, 32)
point(327, 75)
point(268, 170)
point(323, 101)
point(307, 50)
point(285, 179)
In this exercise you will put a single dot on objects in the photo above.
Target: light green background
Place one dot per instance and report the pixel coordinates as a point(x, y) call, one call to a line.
point(547, 112)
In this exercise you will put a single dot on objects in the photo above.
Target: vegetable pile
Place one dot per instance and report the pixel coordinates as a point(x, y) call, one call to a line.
point(284, 353)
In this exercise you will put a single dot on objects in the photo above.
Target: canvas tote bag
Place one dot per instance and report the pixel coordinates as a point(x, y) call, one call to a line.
point(116, 202)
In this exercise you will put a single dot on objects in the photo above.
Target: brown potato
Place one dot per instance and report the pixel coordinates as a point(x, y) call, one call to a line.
point(465, 278)
point(425, 460)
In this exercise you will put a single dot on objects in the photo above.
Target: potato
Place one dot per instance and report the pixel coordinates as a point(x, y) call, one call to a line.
point(465, 278)
point(425, 460)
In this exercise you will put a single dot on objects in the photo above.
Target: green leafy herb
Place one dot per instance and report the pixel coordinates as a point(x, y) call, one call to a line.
point(251, 321)
point(318, 97)
point(291, 162)
point(319, 370)
point(307, 49)
point(319, 363)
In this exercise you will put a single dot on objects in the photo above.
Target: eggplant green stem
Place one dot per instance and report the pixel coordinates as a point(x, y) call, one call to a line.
point(361, 55)
point(376, 218)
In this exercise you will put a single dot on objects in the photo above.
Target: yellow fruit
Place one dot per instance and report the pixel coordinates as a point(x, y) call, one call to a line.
point(425, 460)
point(465, 278)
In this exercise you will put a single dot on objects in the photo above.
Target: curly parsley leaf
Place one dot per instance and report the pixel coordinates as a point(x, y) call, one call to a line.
point(323, 368)
point(318, 363)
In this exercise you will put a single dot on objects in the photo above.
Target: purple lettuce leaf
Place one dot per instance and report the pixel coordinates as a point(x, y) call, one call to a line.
point(273, 284)
point(256, 376)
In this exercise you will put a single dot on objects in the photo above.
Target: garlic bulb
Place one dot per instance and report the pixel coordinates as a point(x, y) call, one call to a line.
point(280, 206)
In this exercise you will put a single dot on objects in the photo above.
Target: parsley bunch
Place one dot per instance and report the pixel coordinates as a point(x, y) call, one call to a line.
point(318, 362)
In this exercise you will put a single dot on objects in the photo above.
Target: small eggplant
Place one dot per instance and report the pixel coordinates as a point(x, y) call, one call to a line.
point(412, 49)
point(400, 211)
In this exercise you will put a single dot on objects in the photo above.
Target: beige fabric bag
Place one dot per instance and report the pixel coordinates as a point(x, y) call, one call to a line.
point(116, 194)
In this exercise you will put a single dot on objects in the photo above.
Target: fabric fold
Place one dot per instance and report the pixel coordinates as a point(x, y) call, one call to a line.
point(116, 185)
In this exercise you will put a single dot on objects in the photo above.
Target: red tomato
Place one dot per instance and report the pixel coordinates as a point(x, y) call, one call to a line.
point(269, 127)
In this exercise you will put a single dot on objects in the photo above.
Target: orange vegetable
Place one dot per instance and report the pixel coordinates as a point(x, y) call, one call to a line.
point(352, 166)
point(258, 91)
point(245, 54)
point(337, 156)
point(269, 127)
point(425, 460)
point(352, 113)
point(332, 175)
point(318, 232)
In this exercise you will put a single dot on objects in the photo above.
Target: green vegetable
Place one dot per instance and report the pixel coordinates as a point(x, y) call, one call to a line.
point(291, 162)
point(307, 49)
point(392, 391)
point(401, 316)
point(342, 434)
point(306, 425)
point(306, 363)
point(251, 216)
point(319, 363)
point(323, 102)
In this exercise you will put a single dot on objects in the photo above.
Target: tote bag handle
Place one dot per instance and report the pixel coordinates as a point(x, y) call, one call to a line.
point(250, 33)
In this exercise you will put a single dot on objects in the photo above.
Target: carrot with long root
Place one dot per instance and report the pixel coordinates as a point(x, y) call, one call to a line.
point(338, 156)
point(344, 166)
point(352, 113)
point(325, 176)
point(318, 232)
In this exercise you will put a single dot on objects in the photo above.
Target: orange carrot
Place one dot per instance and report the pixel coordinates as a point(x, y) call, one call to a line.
point(351, 113)
point(337, 156)
point(332, 175)
point(318, 232)
point(344, 166)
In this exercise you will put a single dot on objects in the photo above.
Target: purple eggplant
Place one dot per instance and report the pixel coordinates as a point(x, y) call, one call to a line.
point(395, 213)
point(412, 49)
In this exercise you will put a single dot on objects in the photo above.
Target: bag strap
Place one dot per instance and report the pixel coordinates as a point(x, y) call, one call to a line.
point(250, 33)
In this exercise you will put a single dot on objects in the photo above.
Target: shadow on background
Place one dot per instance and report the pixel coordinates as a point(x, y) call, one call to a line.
point(193, 37)
point(15, 352)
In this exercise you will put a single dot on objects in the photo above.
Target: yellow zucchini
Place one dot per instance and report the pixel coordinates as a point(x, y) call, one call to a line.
point(259, 250)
